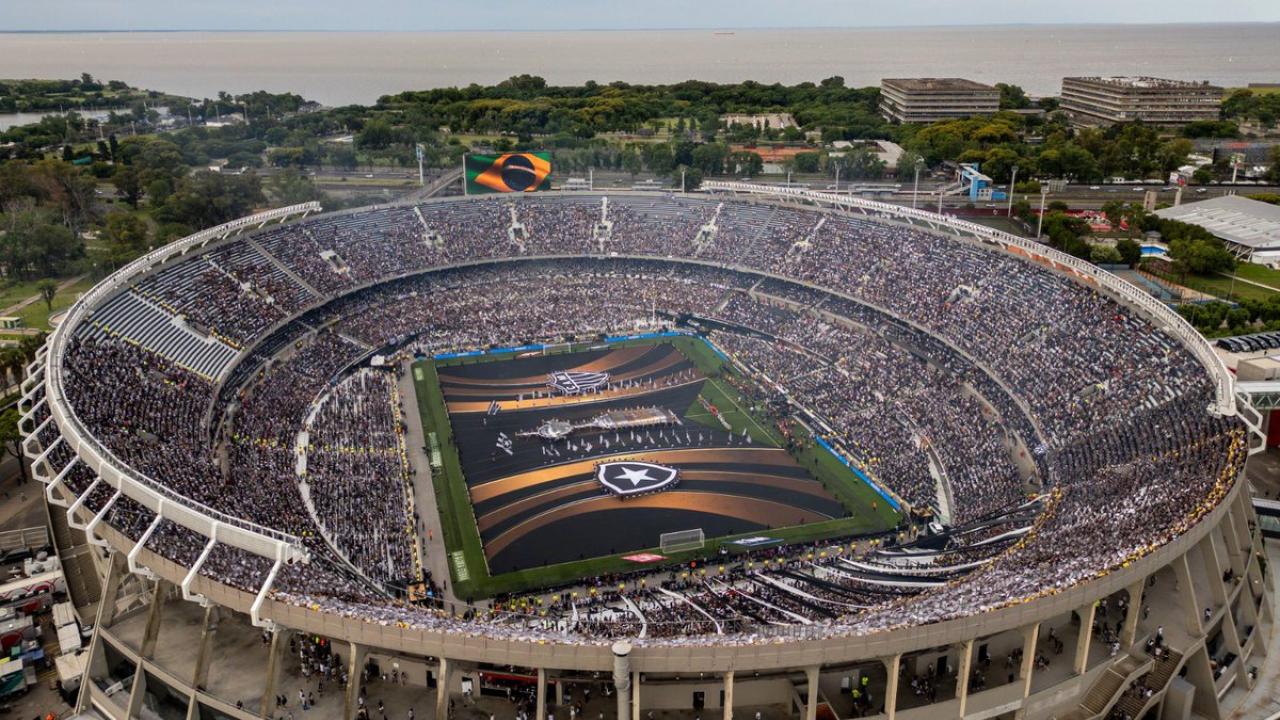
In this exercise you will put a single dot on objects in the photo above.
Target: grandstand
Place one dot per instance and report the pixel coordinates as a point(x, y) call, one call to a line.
point(237, 422)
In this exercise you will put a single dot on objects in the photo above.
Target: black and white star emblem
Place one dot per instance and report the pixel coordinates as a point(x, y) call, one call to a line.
point(632, 477)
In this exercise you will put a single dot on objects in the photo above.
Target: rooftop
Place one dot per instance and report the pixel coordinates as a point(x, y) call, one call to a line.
point(1250, 223)
point(1141, 82)
point(935, 84)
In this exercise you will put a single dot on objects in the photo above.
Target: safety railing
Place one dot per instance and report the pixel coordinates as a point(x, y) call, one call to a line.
point(156, 496)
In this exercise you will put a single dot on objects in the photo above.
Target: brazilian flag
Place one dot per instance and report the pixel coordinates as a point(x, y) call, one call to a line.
point(509, 172)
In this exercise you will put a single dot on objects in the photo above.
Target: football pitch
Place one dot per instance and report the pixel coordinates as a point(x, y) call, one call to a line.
point(555, 464)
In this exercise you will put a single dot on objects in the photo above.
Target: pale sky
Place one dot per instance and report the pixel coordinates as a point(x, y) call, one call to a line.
point(48, 15)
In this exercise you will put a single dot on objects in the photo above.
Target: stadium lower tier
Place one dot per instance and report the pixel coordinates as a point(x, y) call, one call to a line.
point(286, 462)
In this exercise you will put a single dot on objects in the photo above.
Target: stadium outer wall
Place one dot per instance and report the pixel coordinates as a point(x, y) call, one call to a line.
point(1202, 615)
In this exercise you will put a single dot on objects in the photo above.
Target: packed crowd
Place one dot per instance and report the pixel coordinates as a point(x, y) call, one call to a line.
point(955, 359)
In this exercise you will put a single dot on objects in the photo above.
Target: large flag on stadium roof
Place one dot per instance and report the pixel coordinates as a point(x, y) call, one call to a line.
point(509, 172)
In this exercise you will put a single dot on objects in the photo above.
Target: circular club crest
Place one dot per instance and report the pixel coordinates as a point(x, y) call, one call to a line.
point(633, 477)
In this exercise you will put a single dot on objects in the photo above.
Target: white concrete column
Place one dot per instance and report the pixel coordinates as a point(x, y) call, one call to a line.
point(201, 675)
point(116, 574)
point(541, 707)
point(275, 660)
point(1187, 596)
point(1235, 553)
point(811, 699)
point(138, 691)
point(622, 676)
point(1030, 635)
point(635, 695)
point(1129, 633)
point(151, 632)
point(355, 674)
point(962, 677)
point(444, 674)
point(893, 668)
point(1209, 547)
point(1081, 663)
point(728, 695)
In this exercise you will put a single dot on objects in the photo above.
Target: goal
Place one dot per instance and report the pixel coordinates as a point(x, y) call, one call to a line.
point(681, 540)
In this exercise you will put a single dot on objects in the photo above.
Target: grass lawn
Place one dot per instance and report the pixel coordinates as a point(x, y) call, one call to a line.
point(1259, 274)
point(871, 514)
point(1219, 286)
point(725, 398)
point(36, 315)
point(17, 291)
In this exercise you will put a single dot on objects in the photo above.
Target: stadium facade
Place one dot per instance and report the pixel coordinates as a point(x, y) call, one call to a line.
point(174, 638)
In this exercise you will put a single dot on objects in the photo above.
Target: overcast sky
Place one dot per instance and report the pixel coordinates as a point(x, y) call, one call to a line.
point(601, 14)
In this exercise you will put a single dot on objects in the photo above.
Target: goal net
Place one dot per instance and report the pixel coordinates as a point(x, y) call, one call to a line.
point(682, 540)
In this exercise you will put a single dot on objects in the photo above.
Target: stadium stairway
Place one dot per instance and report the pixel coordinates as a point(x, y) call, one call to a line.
point(1104, 693)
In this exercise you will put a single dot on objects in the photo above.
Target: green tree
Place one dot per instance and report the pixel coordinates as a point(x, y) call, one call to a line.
point(1200, 256)
point(746, 163)
point(658, 158)
point(1130, 251)
point(126, 237)
point(807, 162)
point(11, 440)
point(1105, 255)
point(376, 135)
point(33, 247)
point(710, 157)
point(906, 168)
point(290, 187)
point(1012, 97)
point(128, 182)
point(207, 198)
point(631, 160)
point(692, 178)
point(1237, 319)
point(48, 291)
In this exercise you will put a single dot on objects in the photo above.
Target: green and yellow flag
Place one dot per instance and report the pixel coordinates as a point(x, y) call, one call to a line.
point(509, 172)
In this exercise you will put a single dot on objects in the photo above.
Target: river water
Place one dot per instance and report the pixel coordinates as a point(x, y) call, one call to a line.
point(358, 67)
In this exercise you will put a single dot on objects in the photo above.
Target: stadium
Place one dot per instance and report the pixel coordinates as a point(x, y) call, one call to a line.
point(749, 450)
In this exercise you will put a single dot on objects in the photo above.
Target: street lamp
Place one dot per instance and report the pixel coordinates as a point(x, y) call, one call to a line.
point(915, 191)
point(1044, 193)
point(1012, 182)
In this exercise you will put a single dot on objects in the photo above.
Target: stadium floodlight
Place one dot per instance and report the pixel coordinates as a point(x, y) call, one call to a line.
point(915, 190)
point(1013, 181)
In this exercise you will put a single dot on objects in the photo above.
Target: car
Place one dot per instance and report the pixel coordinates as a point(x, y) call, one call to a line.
point(369, 175)
point(1112, 190)
point(1095, 187)
point(1167, 188)
point(1139, 189)
point(1201, 191)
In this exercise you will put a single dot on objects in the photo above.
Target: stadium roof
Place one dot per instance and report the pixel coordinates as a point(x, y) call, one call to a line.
point(1250, 224)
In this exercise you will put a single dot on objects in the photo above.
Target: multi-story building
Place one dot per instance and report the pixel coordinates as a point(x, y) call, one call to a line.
point(923, 100)
point(1155, 101)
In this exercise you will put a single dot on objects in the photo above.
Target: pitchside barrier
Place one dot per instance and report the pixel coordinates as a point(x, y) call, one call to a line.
point(681, 540)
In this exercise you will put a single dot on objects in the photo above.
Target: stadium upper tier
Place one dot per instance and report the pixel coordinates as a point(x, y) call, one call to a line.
point(1125, 415)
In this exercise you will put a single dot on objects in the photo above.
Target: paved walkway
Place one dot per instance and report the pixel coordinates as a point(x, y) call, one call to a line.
point(424, 497)
point(14, 308)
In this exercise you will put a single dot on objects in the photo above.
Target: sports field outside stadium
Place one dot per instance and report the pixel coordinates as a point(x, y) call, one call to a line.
point(533, 515)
